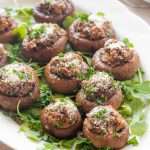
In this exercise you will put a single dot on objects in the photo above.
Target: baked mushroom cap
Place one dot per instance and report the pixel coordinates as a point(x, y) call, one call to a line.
point(118, 59)
point(107, 25)
point(43, 42)
point(18, 84)
point(6, 29)
point(3, 55)
point(61, 119)
point(89, 36)
point(100, 89)
point(54, 11)
point(63, 72)
point(105, 127)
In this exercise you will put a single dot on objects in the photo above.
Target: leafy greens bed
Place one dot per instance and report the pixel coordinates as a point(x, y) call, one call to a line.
point(136, 92)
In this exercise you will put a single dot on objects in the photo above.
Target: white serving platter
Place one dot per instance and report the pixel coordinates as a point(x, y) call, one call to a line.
point(126, 24)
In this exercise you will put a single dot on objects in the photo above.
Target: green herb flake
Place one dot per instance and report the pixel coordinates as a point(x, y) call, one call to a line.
point(100, 14)
point(133, 141)
point(128, 43)
point(21, 31)
point(101, 113)
point(77, 15)
point(37, 31)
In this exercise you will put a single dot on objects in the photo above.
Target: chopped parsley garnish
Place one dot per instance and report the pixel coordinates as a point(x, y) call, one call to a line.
point(83, 16)
point(100, 114)
point(128, 43)
point(100, 14)
point(36, 31)
point(22, 75)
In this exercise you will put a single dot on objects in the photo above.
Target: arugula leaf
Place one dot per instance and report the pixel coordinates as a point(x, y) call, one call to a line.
point(77, 15)
point(13, 52)
point(133, 140)
point(21, 31)
point(128, 43)
point(39, 69)
point(21, 14)
point(136, 101)
point(100, 14)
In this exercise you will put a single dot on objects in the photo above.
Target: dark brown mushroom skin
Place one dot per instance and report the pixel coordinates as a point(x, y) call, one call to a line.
point(58, 122)
point(6, 30)
point(55, 12)
point(87, 104)
point(98, 34)
point(3, 55)
point(44, 49)
point(67, 84)
point(124, 71)
point(15, 95)
point(110, 130)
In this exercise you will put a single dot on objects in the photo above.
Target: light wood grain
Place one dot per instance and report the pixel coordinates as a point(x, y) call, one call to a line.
point(142, 12)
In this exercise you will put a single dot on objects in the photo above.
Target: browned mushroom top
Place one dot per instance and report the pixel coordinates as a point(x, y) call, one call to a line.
point(89, 30)
point(16, 80)
point(6, 24)
point(99, 87)
point(55, 7)
point(68, 66)
point(42, 36)
point(105, 121)
point(115, 53)
point(62, 114)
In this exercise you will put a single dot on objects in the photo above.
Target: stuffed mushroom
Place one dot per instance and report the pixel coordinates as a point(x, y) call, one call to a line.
point(53, 11)
point(63, 73)
point(118, 59)
point(89, 35)
point(43, 42)
point(3, 55)
point(105, 127)
point(61, 119)
point(100, 89)
point(7, 25)
point(18, 86)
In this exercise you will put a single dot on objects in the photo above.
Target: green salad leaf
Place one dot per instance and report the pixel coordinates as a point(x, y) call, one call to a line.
point(136, 104)
point(136, 91)
point(128, 43)
point(83, 16)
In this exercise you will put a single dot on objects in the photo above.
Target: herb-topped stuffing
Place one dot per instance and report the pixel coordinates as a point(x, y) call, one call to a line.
point(65, 70)
point(68, 66)
point(53, 11)
point(116, 53)
point(62, 114)
point(89, 30)
point(90, 35)
point(100, 86)
point(19, 85)
point(100, 89)
point(43, 35)
point(104, 126)
point(117, 58)
point(61, 118)
point(16, 80)
point(44, 41)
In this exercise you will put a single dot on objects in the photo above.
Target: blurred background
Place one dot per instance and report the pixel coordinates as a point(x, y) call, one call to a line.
point(139, 7)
